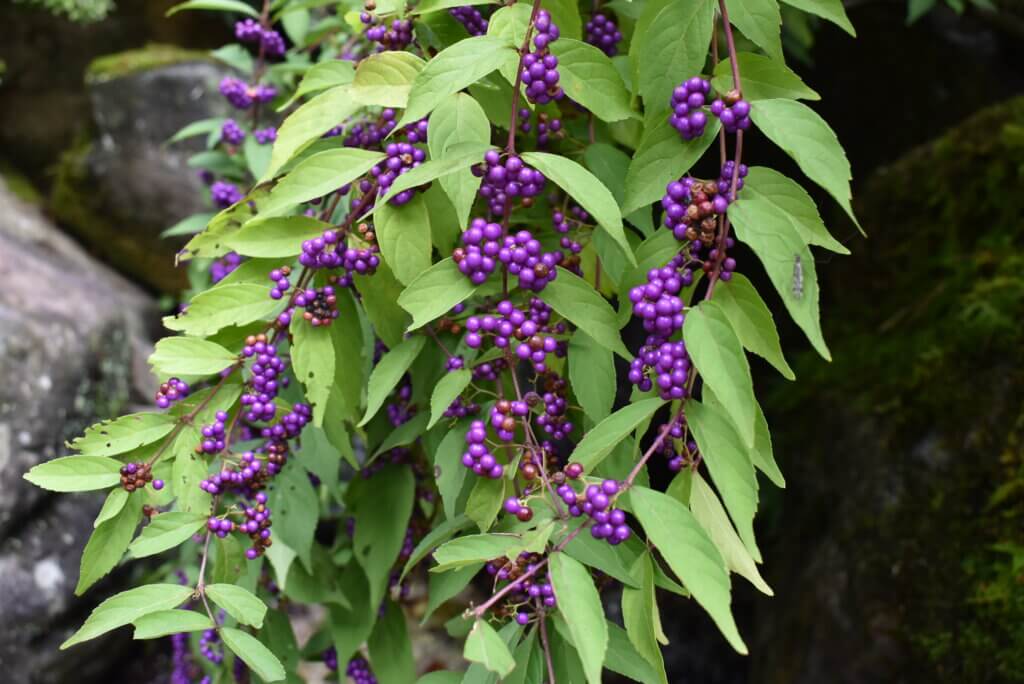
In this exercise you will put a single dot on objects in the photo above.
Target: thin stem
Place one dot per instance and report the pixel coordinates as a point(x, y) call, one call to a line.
point(508, 588)
point(544, 643)
point(731, 44)
point(523, 49)
point(647, 454)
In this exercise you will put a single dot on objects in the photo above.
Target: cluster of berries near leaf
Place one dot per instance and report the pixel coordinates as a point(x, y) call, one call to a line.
point(462, 213)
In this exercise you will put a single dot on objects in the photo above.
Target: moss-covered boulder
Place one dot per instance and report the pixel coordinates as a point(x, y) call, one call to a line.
point(898, 551)
point(117, 190)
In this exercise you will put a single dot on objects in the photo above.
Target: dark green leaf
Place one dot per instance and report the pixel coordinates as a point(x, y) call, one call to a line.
point(388, 372)
point(217, 6)
point(761, 22)
point(830, 10)
point(640, 615)
point(623, 658)
point(484, 646)
point(276, 236)
point(451, 474)
point(307, 123)
point(592, 374)
point(112, 505)
point(319, 175)
point(390, 649)
point(474, 548)
point(312, 354)
point(458, 119)
point(296, 508)
point(443, 586)
point(789, 203)
point(437, 536)
point(382, 508)
point(445, 392)
point(485, 501)
point(752, 321)
point(380, 293)
point(673, 49)
point(602, 556)
point(384, 79)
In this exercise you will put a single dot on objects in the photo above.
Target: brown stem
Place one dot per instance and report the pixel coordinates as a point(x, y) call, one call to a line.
point(523, 49)
point(544, 642)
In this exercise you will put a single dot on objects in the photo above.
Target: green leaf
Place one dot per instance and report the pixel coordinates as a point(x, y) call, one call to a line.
point(435, 292)
point(458, 120)
point(312, 354)
point(390, 649)
point(485, 501)
point(403, 234)
point(474, 548)
point(217, 6)
point(126, 607)
point(592, 374)
point(589, 192)
point(477, 673)
point(763, 78)
point(254, 654)
point(718, 356)
point(602, 438)
point(307, 123)
point(112, 505)
point(239, 603)
point(662, 158)
point(75, 474)
point(442, 676)
point(321, 77)
point(188, 226)
point(451, 474)
point(189, 356)
point(589, 77)
point(673, 49)
point(201, 127)
point(188, 471)
point(578, 597)
point(166, 531)
point(445, 392)
point(459, 158)
point(112, 437)
point(380, 293)
point(805, 137)
point(611, 165)
point(752, 321)
point(350, 626)
point(529, 662)
point(576, 301)
point(708, 511)
point(382, 509)
point(384, 79)
point(406, 433)
point(276, 236)
point(602, 556)
point(212, 310)
point(437, 536)
point(729, 465)
point(788, 261)
point(166, 622)
point(484, 646)
point(830, 10)
point(294, 503)
point(453, 69)
point(443, 586)
point(388, 371)
point(640, 615)
point(428, 6)
point(789, 204)
point(257, 156)
point(108, 543)
point(691, 555)
point(349, 376)
point(761, 22)
point(319, 175)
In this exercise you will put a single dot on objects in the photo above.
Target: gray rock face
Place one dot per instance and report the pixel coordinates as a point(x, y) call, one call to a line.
point(73, 344)
point(120, 192)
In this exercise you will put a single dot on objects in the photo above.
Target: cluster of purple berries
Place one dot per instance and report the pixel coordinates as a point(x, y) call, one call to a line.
point(725, 179)
point(231, 133)
point(369, 134)
point(221, 268)
point(670, 364)
point(604, 34)
point(320, 304)
point(395, 35)
point(214, 435)
point(687, 103)
point(540, 67)
point(401, 410)
point(282, 283)
point(266, 135)
point(504, 180)
point(242, 95)
point(470, 17)
point(522, 256)
point(211, 647)
point(249, 467)
point(359, 671)
point(171, 391)
point(733, 111)
point(658, 302)
point(402, 157)
point(609, 523)
point(676, 460)
point(258, 399)
point(328, 251)
point(138, 475)
point(270, 41)
point(416, 132)
point(554, 419)
point(476, 258)
point(477, 456)
point(224, 194)
point(563, 224)
point(511, 323)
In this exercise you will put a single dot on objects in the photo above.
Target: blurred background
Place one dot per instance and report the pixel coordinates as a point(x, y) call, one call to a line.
point(896, 551)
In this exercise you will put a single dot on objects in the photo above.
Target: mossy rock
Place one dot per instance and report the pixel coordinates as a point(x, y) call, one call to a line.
point(129, 62)
point(899, 555)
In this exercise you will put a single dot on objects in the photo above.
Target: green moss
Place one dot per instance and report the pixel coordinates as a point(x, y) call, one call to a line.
point(18, 184)
point(129, 62)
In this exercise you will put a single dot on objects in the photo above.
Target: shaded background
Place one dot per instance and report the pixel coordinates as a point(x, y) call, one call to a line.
point(896, 551)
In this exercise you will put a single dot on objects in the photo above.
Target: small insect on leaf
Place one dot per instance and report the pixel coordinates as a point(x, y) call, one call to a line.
point(798, 277)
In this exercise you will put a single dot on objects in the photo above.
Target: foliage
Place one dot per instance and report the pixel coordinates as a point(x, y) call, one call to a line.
point(75, 10)
point(404, 336)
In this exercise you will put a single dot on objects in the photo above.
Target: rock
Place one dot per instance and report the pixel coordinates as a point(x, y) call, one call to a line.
point(118, 193)
point(896, 556)
point(74, 341)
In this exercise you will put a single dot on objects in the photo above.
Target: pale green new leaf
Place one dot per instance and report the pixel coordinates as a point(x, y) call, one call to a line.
point(165, 531)
point(578, 597)
point(484, 646)
point(763, 78)
point(189, 356)
point(75, 473)
point(254, 654)
point(434, 292)
point(573, 298)
point(238, 602)
point(128, 606)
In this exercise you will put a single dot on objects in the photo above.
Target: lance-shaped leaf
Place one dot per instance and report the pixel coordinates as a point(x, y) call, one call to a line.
point(189, 356)
point(603, 437)
point(318, 175)
point(763, 79)
point(752, 321)
point(484, 646)
point(574, 299)
point(388, 371)
point(128, 606)
point(435, 292)
point(578, 597)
